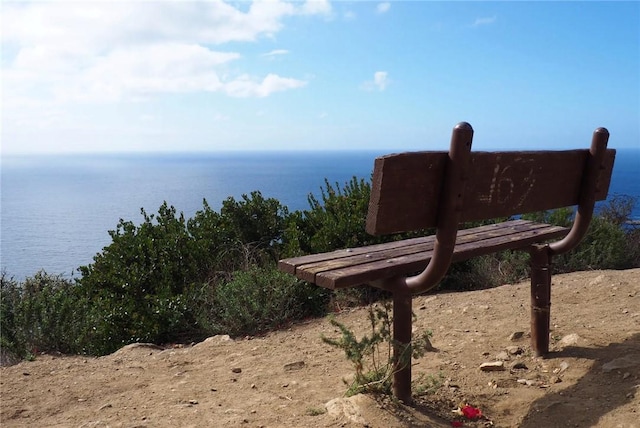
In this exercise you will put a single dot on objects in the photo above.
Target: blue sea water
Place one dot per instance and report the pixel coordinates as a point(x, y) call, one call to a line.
point(56, 211)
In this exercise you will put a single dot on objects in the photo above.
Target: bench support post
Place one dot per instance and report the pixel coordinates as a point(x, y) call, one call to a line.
point(402, 314)
point(540, 298)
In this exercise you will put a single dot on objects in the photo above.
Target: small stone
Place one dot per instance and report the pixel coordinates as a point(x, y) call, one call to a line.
point(253, 386)
point(530, 382)
point(555, 379)
point(236, 370)
point(626, 375)
point(105, 406)
point(570, 339)
point(294, 366)
point(620, 363)
point(502, 356)
point(193, 402)
point(563, 367)
point(519, 365)
point(515, 350)
point(492, 366)
point(516, 335)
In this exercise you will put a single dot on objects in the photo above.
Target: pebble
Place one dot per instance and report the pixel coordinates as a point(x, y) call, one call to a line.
point(236, 370)
point(555, 379)
point(294, 366)
point(519, 366)
point(515, 350)
point(492, 366)
point(502, 356)
point(569, 339)
point(621, 363)
point(516, 335)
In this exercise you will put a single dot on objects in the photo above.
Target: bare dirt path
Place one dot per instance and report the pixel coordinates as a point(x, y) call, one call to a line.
point(285, 379)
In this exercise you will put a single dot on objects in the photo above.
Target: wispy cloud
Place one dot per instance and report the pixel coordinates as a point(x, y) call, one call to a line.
point(380, 82)
point(484, 21)
point(383, 7)
point(276, 52)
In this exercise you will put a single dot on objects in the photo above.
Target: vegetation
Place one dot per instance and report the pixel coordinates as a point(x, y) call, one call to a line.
point(373, 355)
point(171, 279)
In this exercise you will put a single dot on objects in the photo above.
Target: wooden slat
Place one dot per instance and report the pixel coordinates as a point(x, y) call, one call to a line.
point(406, 187)
point(291, 265)
point(347, 268)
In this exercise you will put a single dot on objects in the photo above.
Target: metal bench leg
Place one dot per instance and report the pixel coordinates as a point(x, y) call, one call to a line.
point(540, 298)
point(402, 314)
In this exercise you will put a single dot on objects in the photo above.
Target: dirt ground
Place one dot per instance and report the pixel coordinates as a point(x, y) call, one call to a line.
point(287, 378)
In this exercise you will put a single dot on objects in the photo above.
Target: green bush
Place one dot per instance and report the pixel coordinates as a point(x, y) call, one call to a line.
point(262, 299)
point(335, 221)
point(43, 313)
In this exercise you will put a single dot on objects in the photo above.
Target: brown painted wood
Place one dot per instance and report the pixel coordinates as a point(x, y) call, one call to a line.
point(406, 187)
point(346, 268)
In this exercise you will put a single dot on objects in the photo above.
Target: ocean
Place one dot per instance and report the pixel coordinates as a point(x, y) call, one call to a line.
point(56, 211)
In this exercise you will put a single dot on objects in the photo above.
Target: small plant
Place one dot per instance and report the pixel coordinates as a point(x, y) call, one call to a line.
point(315, 411)
point(372, 355)
point(427, 384)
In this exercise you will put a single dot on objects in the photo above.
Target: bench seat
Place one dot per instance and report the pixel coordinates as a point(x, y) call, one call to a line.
point(363, 265)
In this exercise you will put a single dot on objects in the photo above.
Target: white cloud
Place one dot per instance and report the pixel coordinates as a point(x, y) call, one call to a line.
point(383, 7)
point(380, 82)
point(484, 21)
point(316, 7)
point(244, 86)
point(60, 52)
point(275, 52)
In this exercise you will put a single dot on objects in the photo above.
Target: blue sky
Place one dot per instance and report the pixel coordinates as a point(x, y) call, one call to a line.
point(118, 76)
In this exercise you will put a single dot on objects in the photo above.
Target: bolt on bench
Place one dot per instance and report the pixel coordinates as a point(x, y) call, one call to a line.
point(415, 191)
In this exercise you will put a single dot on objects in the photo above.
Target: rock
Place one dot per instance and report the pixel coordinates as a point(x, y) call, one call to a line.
point(555, 379)
point(569, 339)
point(502, 356)
point(516, 335)
point(621, 363)
point(492, 366)
point(348, 408)
point(519, 366)
point(236, 370)
point(294, 366)
point(563, 367)
point(515, 350)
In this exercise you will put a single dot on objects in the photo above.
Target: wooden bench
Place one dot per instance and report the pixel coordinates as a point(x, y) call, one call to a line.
point(416, 191)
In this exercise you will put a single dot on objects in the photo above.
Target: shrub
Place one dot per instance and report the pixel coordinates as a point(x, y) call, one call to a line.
point(262, 299)
point(372, 355)
point(335, 221)
point(44, 313)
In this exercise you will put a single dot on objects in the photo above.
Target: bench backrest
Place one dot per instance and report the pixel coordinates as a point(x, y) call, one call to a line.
point(407, 188)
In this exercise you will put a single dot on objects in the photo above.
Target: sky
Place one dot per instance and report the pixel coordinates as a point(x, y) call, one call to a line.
point(169, 76)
